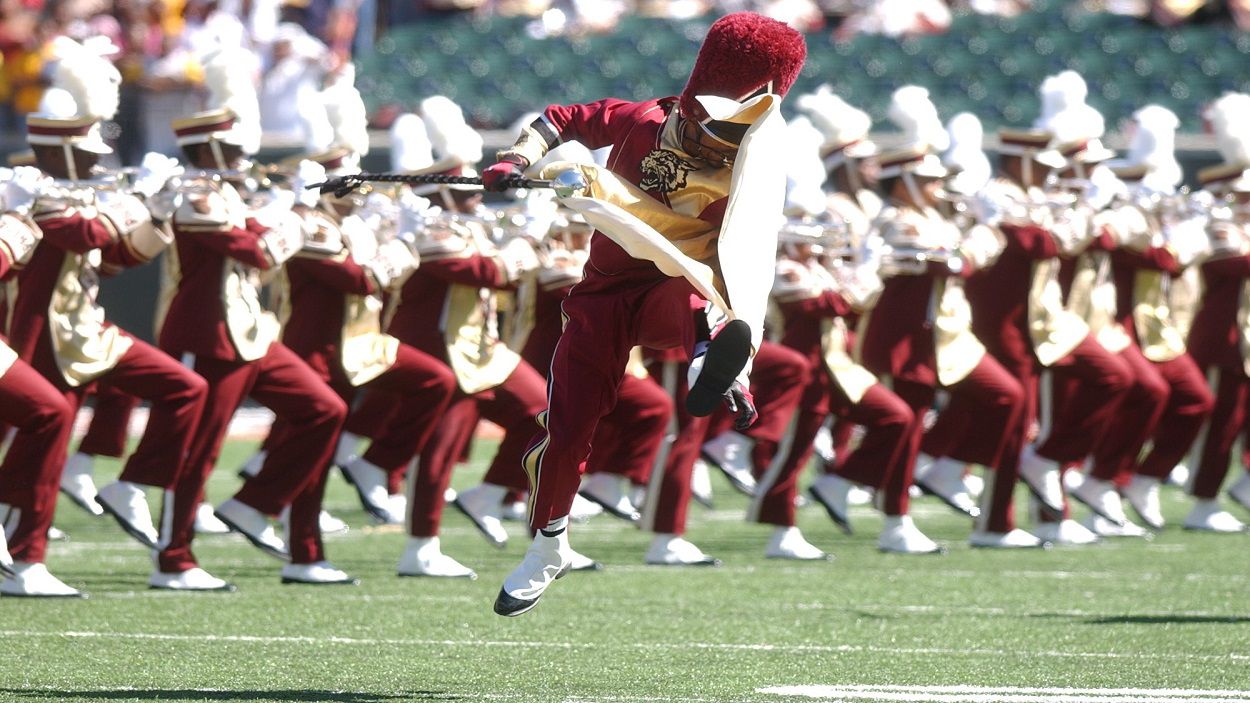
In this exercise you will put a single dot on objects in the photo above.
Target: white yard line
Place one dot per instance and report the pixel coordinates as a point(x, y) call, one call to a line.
point(981, 694)
point(676, 646)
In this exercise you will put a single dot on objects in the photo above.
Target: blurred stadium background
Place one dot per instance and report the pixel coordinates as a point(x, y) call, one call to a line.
point(501, 59)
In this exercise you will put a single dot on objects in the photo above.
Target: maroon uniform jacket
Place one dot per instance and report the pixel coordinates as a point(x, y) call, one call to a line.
point(209, 247)
point(999, 296)
point(1215, 339)
point(317, 288)
point(634, 132)
point(418, 309)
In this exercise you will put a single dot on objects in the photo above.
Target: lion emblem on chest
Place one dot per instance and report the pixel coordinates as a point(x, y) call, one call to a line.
point(664, 171)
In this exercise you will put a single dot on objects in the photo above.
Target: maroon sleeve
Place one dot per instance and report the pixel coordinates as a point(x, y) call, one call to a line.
point(76, 233)
point(345, 276)
point(1153, 259)
point(477, 271)
point(1229, 266)
point(827, 304)
point(591, 124)
point(237, 243)
point(1036, 242)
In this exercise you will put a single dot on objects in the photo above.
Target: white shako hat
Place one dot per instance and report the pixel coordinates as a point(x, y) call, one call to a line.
point(965, 158)
point(844, 128)
point(230, 74)
point(913, 112)
point(1151, 159)
point(1075, 124)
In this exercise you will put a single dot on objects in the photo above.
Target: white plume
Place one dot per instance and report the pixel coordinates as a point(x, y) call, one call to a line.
point(450, 134)
point(838, 122)
point(346, 111)
point(87, 76)
point(805, 170)
point(1064, 111)
point(915, 114)
point(410, 145)
point(230, 77)
point(966, 153)
point(1228, 117)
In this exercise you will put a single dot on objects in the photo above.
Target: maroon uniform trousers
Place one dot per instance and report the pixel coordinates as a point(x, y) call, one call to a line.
point(778, 377)
point(110, 422)
point(669, 491)
point(195, 330)
point(630, 436)
point(1214, 342)
point(883, 414)
point(420, 384)
point(176, 395)
point(30, 474)
point(512, 404)
point(282, 382)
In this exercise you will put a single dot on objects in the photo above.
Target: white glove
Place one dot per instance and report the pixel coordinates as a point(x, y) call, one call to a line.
point(1104, 186)
point(306, 174)
point(981, 246)
point(414, 211)
point(518, 257)
point(22, 186)
point(154, 172)
point(391, 262)
point(1188, 239)
point(360, 239)
point(276, 208)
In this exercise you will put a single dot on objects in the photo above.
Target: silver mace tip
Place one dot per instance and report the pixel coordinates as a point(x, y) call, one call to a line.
point(569, 183)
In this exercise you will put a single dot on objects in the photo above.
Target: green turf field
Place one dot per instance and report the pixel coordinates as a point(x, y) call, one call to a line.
point(1166, 618)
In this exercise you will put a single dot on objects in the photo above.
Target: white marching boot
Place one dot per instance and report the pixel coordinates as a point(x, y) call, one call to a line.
point(78, 482)
point(6, 559)
point(788, 543)
point(326, 523)
point(548, 558)
point(1105, 528)
point(206, 523)
point(1208, 516)
point(1240, 491)
point(611, 492)
point(193, 579)
point(1065, 532)
point(944, 478)
point(321, 573)
point(255, 526)
point(127, 502)
point(1102, 498)
point(731, 453)
point(834, 493)
point(370, 483)
point(1042, 476)
point(673, 550)
point(700, 484)
point(582, 510)
point(901, 536)
point(1143, 495)
point(34, 581)
point(1015, 539)
point(423, 556)
point(482, 504)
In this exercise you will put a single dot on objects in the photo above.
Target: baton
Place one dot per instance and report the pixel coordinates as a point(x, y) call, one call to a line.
point(564, 184)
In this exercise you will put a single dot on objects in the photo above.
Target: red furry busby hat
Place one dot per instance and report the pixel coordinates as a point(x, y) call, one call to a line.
point(744, 53)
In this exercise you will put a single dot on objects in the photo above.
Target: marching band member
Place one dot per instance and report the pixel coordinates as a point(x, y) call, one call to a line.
point(1218, 343)
point(342, 271)
point(1019, 315)
point(92, 227)
point(919, 335)
point(672, 164)
point(214, 322)
point(1090, 290)
point(447, 309)
point(41, 414)
point(1145, 275)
